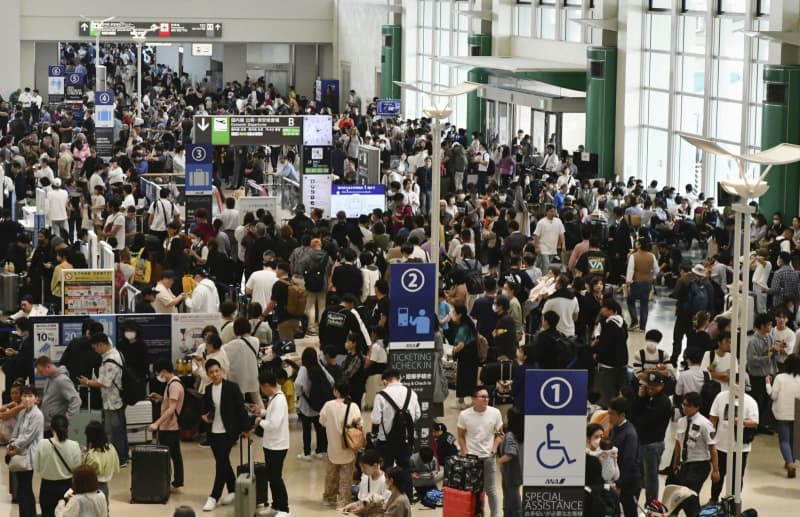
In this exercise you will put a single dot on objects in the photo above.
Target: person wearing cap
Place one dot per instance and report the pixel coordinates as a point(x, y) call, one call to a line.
point(761, 268)
point(204, 298)
point(650, 413)
point(145, 304)
point(695, 453)
point(259, 283)
point(166, 302)
point(28, 309)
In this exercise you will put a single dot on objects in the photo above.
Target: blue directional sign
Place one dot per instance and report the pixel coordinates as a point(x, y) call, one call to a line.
point(412, 305)
point(555, 425)
point(75, 79)
point(55, 71)
point(105, 98)
point(199, 168)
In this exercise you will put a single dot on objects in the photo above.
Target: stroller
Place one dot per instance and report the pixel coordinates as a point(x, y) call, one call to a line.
point(673, 499)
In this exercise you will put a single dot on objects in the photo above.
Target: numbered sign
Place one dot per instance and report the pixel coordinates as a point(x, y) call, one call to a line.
point(412, 305)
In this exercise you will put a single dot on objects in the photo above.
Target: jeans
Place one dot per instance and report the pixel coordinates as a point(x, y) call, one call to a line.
point(221, 445)
point(274, 462)
point(60, 226)
point(490, 485)
point(172, 439)
point(117, 432)
point(544, 261)
point(639, 291)
point(393, 455)
point(693, 475)
point(322, 436)
point(651, 458)
point(785, 430)
point(25, 497)
point(722, 459)
point(512, 500)
point(50, 492)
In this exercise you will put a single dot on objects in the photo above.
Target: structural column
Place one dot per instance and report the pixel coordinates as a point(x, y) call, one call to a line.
point(479, 45)
point(391, 60)
point(10, 36)
point(601, 106)
point(780, 123)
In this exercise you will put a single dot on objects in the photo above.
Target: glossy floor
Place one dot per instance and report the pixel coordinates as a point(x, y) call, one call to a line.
point(766, 487)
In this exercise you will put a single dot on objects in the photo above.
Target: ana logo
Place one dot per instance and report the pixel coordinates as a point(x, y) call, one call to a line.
point(555, 481)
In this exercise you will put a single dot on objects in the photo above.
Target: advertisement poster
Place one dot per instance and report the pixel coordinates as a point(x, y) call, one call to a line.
point(416, 367)
point(187, 332)
point(155, 331)
point(88, 291)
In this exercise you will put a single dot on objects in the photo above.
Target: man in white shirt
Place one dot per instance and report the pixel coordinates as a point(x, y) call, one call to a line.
point(719, 418)
point(551, 164)
point(259, 285)
point(129, 199)
point(548, 237)
point(762, 268)
point(161, 213)
point(28, 309)
point(480, 432)
point(44, 171)
point(286, 169)
point(204, 298)
point(394, 396)
point(564, 303)
point(115, 173)
point(274, 420)
point(57, 201)
point(229, 216)
point(722, 361)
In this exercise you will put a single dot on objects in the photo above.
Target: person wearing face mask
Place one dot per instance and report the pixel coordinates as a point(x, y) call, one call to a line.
point(134, 351)
point(505, 331)
point(650, 358)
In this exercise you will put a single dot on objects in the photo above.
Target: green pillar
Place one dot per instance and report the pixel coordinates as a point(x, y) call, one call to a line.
point(479, 45)
point(780, 123)
point(601, 106)
point(391, 60)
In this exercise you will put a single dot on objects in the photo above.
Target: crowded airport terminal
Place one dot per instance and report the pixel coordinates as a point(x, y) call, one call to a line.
point(384, 258)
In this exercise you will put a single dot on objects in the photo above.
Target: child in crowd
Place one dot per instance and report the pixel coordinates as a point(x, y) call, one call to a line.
point(372, 491)
point(510, 460)
point(425, 471)
point(607, 454)
point(444, 443)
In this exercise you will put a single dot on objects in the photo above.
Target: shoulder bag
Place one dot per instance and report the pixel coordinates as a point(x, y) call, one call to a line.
point(353, 437)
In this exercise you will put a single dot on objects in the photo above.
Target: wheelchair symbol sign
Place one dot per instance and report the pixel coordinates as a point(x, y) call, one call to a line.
point(556, 393)
point(550, 453)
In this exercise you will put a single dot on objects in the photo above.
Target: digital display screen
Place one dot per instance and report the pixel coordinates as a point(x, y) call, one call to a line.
point(356, 200)
point(388, 107)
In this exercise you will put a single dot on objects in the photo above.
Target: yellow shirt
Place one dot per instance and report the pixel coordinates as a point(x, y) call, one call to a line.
point(288, 391)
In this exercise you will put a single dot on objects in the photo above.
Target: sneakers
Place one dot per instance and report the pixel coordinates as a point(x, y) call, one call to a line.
point(124, 465)
point(210, 505)
point(204, 445)
point(303, 457)
point(227, 499)
point(269, 512)
point(282, 514)
point(320, 455)
point(634, 327)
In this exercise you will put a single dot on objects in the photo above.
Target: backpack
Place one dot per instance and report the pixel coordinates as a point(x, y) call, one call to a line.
point(321, 391)
point(697, 299)
point(708, 393)
point(473, 276)
point(402, 432)
point(189, 417)
point(669, 384)
point(378, 255)
point(132, 388)
point(119, 279)
point(314, 275)
point(296, 302)
point(490, 168)
point(565, 350)
point(433, 498)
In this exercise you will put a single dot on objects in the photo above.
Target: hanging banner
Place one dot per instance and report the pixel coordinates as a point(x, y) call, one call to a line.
point(413, 296)
point(55, 84)
point(187, 333)
point(416, 368)
point(87, 291)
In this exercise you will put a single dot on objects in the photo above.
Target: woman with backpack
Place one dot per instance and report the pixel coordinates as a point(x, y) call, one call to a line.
point(466, 352)
point(313, 388)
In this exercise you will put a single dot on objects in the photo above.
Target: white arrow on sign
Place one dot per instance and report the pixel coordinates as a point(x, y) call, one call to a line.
point(219, 26)
point(84, 26)
point(202, 125)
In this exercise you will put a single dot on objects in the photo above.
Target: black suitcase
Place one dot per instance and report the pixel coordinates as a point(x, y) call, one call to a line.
point(151, 472)
point(464, 473)
point(261, 475)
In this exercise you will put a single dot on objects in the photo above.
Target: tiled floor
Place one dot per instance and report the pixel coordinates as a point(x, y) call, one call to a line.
point(766, 486)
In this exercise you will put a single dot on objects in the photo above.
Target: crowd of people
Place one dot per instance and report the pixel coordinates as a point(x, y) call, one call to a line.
point(535, 258)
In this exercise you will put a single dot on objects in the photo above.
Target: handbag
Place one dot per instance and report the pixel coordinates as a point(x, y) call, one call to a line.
point(353, 437)
point(143, 268)
point(19, 463)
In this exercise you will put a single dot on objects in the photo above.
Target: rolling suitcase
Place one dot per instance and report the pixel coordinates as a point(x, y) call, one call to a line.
point(461, 503)
point(9, 292)
point(464, 473)
point(245, 499)
point(77, 425)
point(260, 472)
point(137, 418)
point(151, 472)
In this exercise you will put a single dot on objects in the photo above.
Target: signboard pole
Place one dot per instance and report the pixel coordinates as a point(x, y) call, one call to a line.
point(555, 424)
point(411, 346)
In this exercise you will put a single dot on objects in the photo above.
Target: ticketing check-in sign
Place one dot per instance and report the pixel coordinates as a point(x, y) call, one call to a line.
point(555, 442)
point(412, 304)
